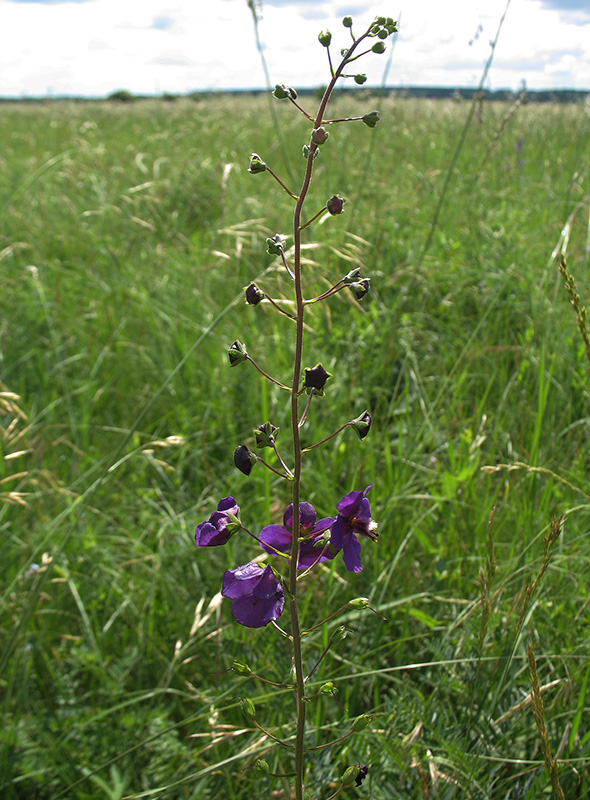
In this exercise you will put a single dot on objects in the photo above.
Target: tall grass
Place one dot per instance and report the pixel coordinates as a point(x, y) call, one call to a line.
point(125, 232)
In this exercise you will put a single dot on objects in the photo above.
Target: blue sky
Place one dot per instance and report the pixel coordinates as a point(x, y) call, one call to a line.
point(92, 47)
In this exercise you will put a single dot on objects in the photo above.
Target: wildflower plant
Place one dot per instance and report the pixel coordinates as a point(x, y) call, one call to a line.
point(265, 589)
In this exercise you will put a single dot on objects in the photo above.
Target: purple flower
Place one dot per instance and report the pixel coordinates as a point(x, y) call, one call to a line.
point(220, 526)
point(312, 548)
point(257, 594)
point(353, 520)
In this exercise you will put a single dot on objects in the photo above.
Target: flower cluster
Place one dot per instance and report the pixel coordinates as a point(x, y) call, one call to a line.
point(256, 590)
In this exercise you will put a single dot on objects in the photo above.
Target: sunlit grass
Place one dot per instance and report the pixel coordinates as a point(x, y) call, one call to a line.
point(127, 235)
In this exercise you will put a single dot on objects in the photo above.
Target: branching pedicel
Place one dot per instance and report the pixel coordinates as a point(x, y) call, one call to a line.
point(259, 593)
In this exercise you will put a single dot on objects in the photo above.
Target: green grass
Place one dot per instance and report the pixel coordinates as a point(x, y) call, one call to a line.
point(123, 253)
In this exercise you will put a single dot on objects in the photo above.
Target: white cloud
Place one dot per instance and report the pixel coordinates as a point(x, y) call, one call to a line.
point(150, 46)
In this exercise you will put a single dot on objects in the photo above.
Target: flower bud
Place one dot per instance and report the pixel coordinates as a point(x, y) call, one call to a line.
point(265, 435)
point(344, 52)
point(261, 767)
point(237, 353)
point(360, 288)
point(357, 774)
point(378, 47)
point(276, 245)
point(315, 378)
point(282, 92)
point(319, 135)
point(383, 33)
point(253, 294)
point(241, 668)
point(347, 22)
point(325, 38)
point(339, 634)
point(353, 276)
point(371, 119)
point(328, 688)
point(307, 151)
point(361, 723)
point(362, 424)
point(256, 164)
point(247, 708)
point(360, 78)
point(244, 460)
point(359, 602)
point(335, 205)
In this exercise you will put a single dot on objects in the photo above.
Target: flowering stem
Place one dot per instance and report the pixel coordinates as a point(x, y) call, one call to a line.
point(287, 267)
point(342, 119)
point(323, 441)
point(269, 734)
point(278, 180)
point(313, 219)
point(278, 308)
point(266, 375)
point(288, 475)
point(306, 409)
point(297, 451)
point(323, 622)
point(328, 293)
point(303, 111)
point(285, 467)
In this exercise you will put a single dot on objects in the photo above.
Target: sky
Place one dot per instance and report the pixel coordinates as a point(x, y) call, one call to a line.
point(94, 47)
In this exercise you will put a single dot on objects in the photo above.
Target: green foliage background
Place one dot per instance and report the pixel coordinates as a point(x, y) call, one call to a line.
point(128, 232)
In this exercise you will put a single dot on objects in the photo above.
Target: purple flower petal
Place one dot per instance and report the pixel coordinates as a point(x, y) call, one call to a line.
point(258, 595)
point(307, 516)
point(273, 538)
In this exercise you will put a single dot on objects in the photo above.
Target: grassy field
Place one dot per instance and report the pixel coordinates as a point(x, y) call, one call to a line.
point(127, 233)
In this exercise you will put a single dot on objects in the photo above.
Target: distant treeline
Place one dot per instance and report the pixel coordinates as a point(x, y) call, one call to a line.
point(427, 92)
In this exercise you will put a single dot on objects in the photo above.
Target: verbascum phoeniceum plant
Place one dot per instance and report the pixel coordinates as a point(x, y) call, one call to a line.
point(265, 589)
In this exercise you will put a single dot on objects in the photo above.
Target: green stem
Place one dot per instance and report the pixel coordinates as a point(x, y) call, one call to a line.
point(297, 452)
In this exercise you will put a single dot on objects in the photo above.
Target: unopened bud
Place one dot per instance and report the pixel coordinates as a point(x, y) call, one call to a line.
point(282, 92)
point(361, 723)
point(335, 205)
point(319, 135)
point(307, 151)
point(347, 22)
point(328, 688)
point(325, 38)
point(247, 708)
point(339, 634)
point(360, 288)
point(256, 164)
point(378, 47)
point(265, 435)
point(253, 294)
point(359, 602)
point(360, 78)
point(371, 119)
point(261, 767)
point(244, 460)
point(353, 276)
point(362, 424)
point(241, 668)
point(237, 353)
point(276, 245)
point(315, 378)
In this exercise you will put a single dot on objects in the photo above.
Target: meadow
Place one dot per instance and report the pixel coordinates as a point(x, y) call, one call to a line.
point(127, 233)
